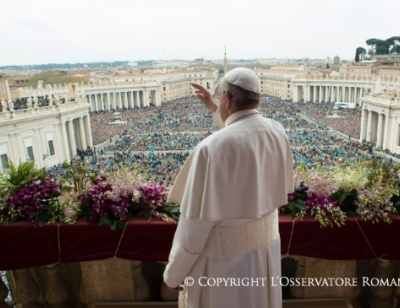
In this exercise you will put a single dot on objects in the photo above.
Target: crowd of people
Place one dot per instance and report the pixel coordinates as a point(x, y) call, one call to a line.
point(26, 103)
point(346, 121)
point(159, 139)
point(182, 115)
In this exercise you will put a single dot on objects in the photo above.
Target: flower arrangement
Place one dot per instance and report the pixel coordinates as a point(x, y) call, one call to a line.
point(368, 189)
point(103, 198)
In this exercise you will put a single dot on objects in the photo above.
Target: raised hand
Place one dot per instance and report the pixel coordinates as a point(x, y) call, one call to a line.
point(205, 96)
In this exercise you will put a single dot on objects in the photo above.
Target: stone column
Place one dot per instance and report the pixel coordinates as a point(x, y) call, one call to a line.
point(132, 104)
point(57, 290)
point(306, 89)
point(97, 103)
point(137, 99)
point(364, 120)
point(91, 103)
point(343, 96)
point(369, 126)
point(119, 99)
point(114, 101)
point(126, 100)
point(337, 94)
point(158, 98)
point(327, 93)
point(72, 143)
point(382, 296)
point(386, 132)
point(108, 103)
point(145, 98)
point(358, 95)
point(66, 149)
point(314, 94)
point(88, 131)
point(27, 290)
point(82, 134)
point(380, 124)
point(348, 94)
point(296, 94)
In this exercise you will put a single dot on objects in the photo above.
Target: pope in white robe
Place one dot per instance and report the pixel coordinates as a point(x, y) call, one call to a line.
point(229, 190)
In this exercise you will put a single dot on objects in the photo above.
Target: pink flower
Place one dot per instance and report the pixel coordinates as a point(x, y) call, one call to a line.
point(68, 212)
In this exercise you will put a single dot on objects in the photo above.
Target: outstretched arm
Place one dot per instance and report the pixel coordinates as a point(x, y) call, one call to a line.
point(205, 96)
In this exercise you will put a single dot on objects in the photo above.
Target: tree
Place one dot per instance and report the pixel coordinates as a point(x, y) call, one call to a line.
point(379, 47)
point(394, 43)
point(359, 51)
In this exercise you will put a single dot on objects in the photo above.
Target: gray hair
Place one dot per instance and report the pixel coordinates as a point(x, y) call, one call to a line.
point(242, 98)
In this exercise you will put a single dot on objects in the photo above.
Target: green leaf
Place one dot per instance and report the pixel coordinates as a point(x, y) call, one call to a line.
point(105, 220)
point(148, 214)
point(113, 225)
point(349, 213)
point(120, 224)
point(299, 205)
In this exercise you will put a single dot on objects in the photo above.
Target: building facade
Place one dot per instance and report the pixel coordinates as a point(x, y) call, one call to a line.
point(380, 122)
point(277, 82)
point(47, 135)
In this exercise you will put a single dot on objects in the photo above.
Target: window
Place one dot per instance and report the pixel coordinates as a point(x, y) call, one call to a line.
point(4, 161)
point(29, 152)
point(2, 89)
point(51, 147)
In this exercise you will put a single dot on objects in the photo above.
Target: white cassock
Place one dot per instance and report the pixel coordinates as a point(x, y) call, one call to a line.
point(229, 190)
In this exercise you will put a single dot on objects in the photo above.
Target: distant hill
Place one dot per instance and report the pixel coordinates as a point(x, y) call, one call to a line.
point(52, 66)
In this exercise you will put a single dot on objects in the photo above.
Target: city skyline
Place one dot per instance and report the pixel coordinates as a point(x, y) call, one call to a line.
point(47, 31)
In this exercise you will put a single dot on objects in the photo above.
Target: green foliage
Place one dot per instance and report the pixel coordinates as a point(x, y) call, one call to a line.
point(54, 77)
point(16, 178)
point(346, 200)
point(359, 51)
point(79, 175)
point(382, 172)
point(382, 47)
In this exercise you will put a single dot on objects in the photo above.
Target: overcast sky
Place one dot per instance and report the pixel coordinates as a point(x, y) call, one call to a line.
point(55, 31)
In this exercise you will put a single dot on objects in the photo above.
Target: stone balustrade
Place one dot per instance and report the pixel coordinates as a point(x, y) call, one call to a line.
point(82, 284)
point(343, 77)
point(36, 111)
point(384, 100)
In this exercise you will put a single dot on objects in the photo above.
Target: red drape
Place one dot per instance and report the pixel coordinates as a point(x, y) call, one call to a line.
point(26, 245)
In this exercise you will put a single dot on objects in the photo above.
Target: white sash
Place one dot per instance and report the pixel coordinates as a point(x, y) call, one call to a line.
point(224, 242)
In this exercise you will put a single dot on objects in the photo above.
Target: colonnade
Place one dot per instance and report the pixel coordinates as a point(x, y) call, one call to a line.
point(325, 93)
point(76, 135)
point(375, 127)
point(123, 99)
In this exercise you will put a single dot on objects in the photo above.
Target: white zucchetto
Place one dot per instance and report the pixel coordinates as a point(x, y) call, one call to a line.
point(244, 78)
